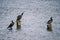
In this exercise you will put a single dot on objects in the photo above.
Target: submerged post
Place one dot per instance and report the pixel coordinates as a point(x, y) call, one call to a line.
point(49, 27)
point(19, 24)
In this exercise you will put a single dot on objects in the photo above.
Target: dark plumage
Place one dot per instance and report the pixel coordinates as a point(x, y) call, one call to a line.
point(19, 16)
point(11, 24)
point(50, 21)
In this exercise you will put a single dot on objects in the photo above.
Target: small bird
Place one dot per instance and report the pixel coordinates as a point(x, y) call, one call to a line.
point(50, 21)
point(19, 16)
point(11, 25)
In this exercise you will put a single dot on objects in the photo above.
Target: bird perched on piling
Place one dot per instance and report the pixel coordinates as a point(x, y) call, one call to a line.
point(11, 25)
point(49, 25)
point(50, 21)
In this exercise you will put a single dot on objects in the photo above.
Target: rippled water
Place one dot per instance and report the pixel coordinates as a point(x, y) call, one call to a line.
point(37, 13)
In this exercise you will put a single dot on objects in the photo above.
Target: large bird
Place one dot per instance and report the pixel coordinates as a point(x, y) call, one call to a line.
point(50, 21)
point(11, 25)
point(19, 16)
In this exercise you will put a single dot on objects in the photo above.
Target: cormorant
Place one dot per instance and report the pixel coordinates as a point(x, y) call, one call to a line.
point(19, 16)
point(50, 21)
point(11, 25)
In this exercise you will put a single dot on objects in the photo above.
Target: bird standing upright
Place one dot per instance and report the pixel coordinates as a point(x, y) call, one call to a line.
point(19, 16)
point(50, 21)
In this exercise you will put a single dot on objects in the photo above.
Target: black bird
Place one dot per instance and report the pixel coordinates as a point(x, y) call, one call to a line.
point(19, 16)
point(50, 21)
point(11, 25)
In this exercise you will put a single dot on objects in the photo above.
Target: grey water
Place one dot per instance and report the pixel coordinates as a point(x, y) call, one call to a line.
point(33, 22)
